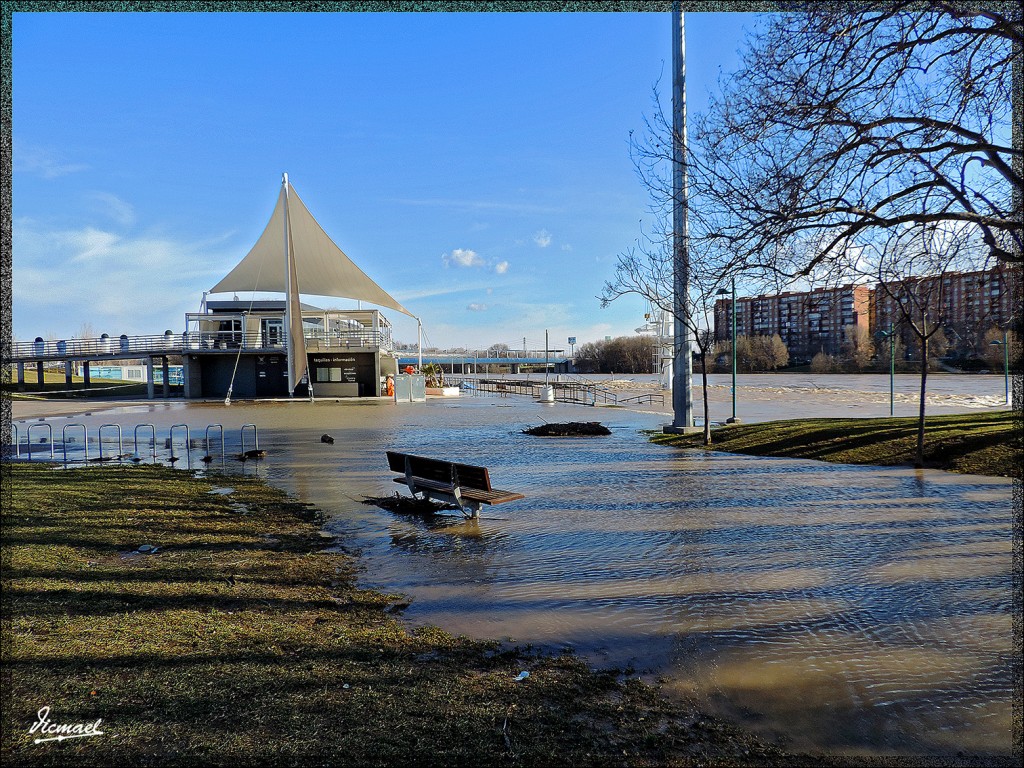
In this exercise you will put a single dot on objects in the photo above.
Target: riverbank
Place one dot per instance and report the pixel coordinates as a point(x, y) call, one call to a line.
point(976, 443)
point(242, 639)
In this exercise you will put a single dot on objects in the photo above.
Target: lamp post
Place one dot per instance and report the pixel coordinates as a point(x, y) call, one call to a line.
point(723, 292)
point(891, 336)
point(1006, 363)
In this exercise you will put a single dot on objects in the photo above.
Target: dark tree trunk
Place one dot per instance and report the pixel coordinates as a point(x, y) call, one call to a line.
point(920, 418)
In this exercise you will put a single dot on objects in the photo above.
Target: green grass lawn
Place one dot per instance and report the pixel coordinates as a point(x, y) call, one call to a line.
point(55, 386)
point(244, 640)
point(975, 443)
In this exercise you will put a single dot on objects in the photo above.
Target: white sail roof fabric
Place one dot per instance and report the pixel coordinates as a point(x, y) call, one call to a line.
point(321, 267)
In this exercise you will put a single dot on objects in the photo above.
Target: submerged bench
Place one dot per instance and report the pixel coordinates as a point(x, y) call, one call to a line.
point(462, 484)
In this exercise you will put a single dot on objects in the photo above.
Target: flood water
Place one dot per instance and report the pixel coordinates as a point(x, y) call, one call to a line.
point(858, 610)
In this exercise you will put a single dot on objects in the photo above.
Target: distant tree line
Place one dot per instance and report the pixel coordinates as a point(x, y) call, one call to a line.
point(624, 354)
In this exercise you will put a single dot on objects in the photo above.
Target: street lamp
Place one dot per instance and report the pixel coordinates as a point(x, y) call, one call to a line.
point(891, 336)
point(1006, 363)
point(723, 292)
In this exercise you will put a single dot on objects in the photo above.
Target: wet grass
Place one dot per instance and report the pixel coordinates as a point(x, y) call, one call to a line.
point(244, 640)
point(55, 387)
point(981, 444)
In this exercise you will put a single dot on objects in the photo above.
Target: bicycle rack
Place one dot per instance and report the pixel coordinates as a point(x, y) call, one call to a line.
point(188, 442)
point(64, 440)
point(255, 437)
point(153, 429)
point(49, 431)
point(221, 428)
point(17, 442)
point(120, 444)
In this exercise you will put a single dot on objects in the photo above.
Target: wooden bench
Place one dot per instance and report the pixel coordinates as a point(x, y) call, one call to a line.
point(462, 484)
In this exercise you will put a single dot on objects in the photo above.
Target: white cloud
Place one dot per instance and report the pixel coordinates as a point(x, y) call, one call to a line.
point(566, 247)
point(542, 238)
point(42, 162)
point(462, 257)
point(64, 278)
point(501, 267)
point(475, 307)
point(114, 207)
point(88, 244)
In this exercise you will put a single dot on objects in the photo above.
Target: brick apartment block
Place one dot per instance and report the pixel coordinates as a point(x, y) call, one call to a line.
point(813, 321)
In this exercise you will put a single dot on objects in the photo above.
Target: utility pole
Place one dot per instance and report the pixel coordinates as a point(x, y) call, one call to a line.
point(682, 365)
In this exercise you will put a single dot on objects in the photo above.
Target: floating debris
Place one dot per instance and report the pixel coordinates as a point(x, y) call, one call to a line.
point(327, 439)
point(148, 549)
point(569, 429)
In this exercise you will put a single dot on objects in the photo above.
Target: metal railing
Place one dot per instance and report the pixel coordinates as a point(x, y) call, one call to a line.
point(192, 341)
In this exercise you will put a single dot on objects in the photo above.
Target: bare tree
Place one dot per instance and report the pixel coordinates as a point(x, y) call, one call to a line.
point(858, 347)
point(646, 270)
point(910, 269)
point(847, 122)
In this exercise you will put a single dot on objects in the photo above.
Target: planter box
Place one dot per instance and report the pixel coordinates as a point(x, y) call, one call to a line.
point(443, 391)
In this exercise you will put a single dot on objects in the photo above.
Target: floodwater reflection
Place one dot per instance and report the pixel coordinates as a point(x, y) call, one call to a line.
point(853, 609)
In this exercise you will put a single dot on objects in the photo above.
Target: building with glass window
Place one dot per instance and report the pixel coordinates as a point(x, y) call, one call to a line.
point(243, 345)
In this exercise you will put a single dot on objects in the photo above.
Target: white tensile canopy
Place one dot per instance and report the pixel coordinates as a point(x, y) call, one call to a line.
point(293, 252)
point(322, 268)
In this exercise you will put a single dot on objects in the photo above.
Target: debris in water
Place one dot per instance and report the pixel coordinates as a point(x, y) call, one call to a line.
point(569, 429)
point(522, 675)
point(327, 439)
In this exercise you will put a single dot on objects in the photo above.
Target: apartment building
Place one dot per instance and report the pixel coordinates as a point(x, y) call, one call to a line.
point(808, 322)
point(966, 303)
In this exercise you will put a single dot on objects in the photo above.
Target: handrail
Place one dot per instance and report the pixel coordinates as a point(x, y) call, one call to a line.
point(64, 440)
point(49, 431)
point(137, 439)
point(17, 442)
point(221, 428)
point(646, 398)
point(188, 444)
point(255, 437)
point(120, 444)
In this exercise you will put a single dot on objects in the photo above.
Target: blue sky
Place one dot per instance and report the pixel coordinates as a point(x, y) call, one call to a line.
point(475, 165)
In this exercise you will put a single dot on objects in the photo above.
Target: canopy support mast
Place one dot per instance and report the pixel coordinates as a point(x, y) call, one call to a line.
point(288, 295)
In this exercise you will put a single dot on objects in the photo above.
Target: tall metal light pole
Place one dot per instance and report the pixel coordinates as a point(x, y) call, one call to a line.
point(682, 364)
point(1006, 363)
point(732, 302)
